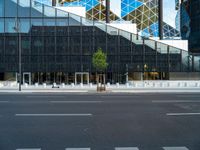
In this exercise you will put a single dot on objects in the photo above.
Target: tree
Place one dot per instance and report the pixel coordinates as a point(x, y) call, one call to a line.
point(99, 61)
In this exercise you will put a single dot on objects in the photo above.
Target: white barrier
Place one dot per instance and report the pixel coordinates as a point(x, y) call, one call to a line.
point(164, 84)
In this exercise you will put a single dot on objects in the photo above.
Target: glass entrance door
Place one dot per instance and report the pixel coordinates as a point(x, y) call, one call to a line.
point(27, 78)
point(82, 77)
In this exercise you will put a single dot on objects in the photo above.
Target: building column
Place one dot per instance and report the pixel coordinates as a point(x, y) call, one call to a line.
point(160, 18)
point(107, 11)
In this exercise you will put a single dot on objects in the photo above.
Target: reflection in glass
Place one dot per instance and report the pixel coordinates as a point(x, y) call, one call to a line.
point(36, 9)
point(24, 25)
point(1, 25)
point(25, 12)
point(10, 8)
point(9, 25)
point(1, 8)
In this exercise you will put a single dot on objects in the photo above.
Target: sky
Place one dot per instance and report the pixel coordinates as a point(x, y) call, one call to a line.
point(169, 12)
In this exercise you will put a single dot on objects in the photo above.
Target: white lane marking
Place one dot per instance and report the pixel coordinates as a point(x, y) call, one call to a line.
point(175, 101)
point(77, 149)
point(182, 114)
point(175, 148)
point(4, 101)
point(53, 115)
point(187, 95)
point(47, 96)
point(126, 148)
point(76, 101)
point(28, 149)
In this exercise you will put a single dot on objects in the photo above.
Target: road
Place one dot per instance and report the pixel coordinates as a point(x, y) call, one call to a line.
point(59, 121)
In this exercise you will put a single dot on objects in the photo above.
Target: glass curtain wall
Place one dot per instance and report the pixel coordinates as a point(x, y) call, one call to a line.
point(57, 44)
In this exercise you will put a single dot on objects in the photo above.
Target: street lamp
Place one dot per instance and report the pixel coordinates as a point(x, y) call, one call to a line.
point(17, 30)
point(145, 70)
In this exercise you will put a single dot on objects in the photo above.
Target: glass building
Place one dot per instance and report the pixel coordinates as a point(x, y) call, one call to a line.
point(189, 23)
point(57, 46)
point(142, 12)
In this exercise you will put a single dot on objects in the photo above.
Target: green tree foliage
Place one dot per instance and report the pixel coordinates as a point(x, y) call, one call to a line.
point(99, 60)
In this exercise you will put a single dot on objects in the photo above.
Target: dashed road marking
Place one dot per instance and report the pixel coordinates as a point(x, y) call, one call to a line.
point(53, 115)
point(77, 149)
point(4, 101)
point(126, 148)
point(76, 101)
point(183, 114)
point(28, 149)
point(175, 148)
point(176, 101)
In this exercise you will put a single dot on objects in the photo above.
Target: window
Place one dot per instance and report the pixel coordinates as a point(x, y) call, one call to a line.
point(1, 25)
point(1, 8)
point(24, 8)
point(10, 8)
point(24, 25)
point(9, 25)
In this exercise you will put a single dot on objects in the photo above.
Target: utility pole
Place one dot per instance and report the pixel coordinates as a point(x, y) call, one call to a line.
point(160, 18)
point(17, 30)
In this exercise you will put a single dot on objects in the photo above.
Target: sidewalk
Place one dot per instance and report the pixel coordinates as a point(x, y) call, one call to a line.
point(92, 89)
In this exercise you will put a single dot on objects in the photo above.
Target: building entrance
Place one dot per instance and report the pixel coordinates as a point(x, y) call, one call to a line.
point(82, 77)
point(27, 78)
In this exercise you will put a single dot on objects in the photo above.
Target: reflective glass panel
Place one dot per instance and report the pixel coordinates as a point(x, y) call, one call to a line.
point(1, 8)
point(36, 9)
point(24, 8)
point(24, 25)
point(10, 8)
point(49, 22)
point(1, 25)
point(61, 13)
point(49, 11)
point(9, 25)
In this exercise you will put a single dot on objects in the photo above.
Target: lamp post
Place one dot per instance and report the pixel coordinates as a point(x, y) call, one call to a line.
point(145, 70)
point(126, 73)
point(17, 30)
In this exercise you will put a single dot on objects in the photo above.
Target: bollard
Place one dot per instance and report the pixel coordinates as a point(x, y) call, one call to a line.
point(161, 84)
point(26, 85)
point(154, 84)
point(36, 84)
point(72, 84)
point(179, 84)
point(127, 85)
point(45, 85)
point(185, 84)
point(117, 84)
point(81, 84)
point(108, 84)
point(63, 85)
point(91, 85)
point(168, 84)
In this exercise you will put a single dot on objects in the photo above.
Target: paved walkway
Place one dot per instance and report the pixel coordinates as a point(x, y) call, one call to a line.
point(109, 89)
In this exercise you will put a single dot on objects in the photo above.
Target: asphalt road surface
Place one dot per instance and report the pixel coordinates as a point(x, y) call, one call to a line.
point(59, 121)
